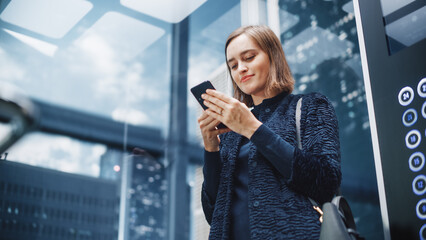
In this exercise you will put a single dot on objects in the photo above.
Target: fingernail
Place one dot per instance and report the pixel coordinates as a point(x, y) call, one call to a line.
point(203, 95)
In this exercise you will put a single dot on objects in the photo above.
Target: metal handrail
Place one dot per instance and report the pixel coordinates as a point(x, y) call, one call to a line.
point(18, 111)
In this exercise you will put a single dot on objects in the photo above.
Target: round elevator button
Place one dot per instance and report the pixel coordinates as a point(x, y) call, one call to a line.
point(421, 88)
point(421, 209)
point(424, 110)
point(409, 117)
point(413, 139)
point(406, 96)
point(422, 232)
point(416, 161)
point(419, 185)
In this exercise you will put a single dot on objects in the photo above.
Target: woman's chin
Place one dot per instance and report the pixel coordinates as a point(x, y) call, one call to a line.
point(247, 89)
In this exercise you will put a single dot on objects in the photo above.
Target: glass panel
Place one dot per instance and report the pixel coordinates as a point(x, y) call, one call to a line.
point(148, 199)
point(172, 11)
point(51, 186)
point(58, 152)
point(409, 29)
point(405, 26)
point(321, 46)
point(200, 227)
point(98, 58)
point(389, 6)
point(67, 183)
point(210, 26)
point(61, 16)
point(102, 61)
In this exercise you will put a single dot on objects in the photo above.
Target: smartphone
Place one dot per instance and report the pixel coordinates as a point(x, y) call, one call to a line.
point(198, 90)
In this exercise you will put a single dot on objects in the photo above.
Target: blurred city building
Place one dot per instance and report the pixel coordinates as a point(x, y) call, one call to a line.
point(146, 194)
point(39, 203)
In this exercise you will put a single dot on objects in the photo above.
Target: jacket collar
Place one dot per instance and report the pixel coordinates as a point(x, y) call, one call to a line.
point(269, 102)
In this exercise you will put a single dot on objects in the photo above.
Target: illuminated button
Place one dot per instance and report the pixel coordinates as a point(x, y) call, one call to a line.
point(424, 110)
point(412, 139)
point(409, 117)
point(419, 185)
point(422, 232)
point(416, 161)
point(421, 209)
point(406, 96)
point(421, 88)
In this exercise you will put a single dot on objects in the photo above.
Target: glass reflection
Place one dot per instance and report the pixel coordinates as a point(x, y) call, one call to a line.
point(52, 18)
point(96, 58)
point(209, 28)
point(322, 50)
point(172, 11)
point(66, 154)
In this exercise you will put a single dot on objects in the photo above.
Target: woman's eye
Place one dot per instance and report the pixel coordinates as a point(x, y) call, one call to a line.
point(234, 66)
point(250, 57)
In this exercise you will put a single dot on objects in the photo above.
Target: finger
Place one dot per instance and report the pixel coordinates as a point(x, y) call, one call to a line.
point(203, 116)
point(214, 114)
point(213, 107)
point(209, 122)
point(214, 100)
point(216, 123)
point(219, 95)
point(212, 122)
point(206, 121)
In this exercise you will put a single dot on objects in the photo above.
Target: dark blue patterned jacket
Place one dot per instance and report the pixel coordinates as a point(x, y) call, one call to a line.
point(278, 204)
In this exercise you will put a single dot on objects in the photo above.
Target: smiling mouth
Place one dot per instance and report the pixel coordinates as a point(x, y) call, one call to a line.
point(246, 78)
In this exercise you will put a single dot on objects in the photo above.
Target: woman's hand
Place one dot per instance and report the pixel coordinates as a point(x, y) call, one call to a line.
point(231, 112)
point(210, 132)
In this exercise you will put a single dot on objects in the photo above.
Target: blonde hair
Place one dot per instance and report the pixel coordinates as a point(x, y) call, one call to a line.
point(279, 78)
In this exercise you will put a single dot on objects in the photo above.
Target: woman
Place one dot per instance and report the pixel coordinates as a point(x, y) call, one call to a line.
point(257, 182)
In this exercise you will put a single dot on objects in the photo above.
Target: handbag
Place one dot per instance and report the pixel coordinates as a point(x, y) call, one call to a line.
point(337, 221)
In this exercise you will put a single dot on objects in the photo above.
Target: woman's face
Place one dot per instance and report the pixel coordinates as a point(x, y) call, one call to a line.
point(249, 67)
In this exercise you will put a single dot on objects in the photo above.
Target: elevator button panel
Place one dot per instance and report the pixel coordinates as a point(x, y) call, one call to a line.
point(411, 116)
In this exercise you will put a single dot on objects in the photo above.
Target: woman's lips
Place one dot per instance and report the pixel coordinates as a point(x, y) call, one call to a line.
point(246, 78)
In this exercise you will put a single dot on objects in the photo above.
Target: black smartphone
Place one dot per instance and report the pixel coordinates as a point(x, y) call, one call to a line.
point(198, 90)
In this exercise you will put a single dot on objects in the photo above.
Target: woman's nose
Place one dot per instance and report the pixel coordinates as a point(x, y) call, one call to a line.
point(242, 68)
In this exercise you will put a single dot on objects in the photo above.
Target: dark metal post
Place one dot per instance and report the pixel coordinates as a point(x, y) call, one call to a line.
point(179, 200)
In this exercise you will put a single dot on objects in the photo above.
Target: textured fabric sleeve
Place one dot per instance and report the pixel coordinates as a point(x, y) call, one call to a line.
point(316, 168)
point(275, 149)
point(211, 171)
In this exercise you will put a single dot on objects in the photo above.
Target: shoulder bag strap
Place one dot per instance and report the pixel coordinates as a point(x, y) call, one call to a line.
point(299, 142)
point(298, 114)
